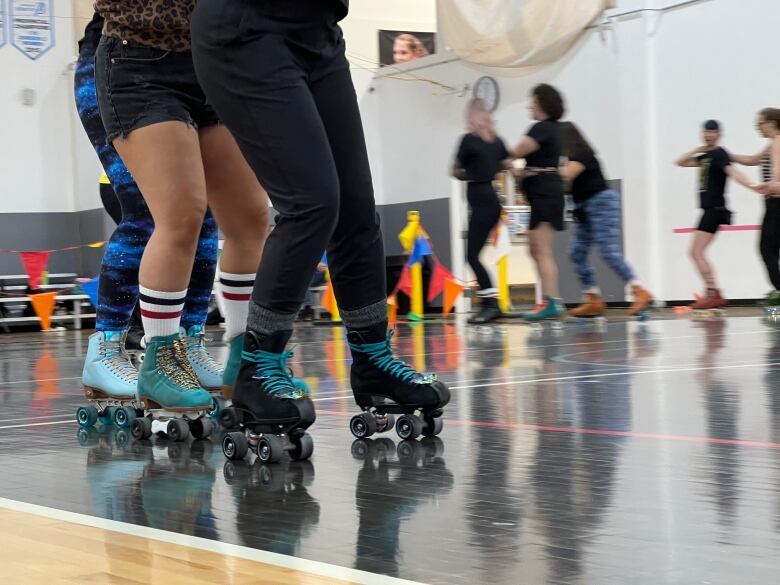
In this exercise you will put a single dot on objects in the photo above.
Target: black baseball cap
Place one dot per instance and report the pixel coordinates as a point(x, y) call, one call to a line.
point(711, 125)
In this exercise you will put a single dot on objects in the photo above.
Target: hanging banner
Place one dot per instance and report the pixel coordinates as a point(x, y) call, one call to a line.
point(452, 290)
point(34, 264)
point(90, 288)
point(32, 26)
point(2, 23)
point(43, 305)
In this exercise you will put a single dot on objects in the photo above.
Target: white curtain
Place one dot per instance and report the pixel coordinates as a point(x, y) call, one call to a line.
point(515, 34)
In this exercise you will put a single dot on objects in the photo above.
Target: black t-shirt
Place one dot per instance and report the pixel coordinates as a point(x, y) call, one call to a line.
point(590, 181)
point(93, 31)
point(547, 135)
point(481, 160)
point(712, 178)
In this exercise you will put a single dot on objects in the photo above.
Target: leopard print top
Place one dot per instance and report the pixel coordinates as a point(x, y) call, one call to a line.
point(164, 24)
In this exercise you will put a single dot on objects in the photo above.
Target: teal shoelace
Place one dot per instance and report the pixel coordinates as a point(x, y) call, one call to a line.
point(272, 370)
point(381, 354)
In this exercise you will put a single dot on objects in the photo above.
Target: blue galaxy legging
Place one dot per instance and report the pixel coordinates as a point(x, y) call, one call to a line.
point(600, 228)
point(118, 287)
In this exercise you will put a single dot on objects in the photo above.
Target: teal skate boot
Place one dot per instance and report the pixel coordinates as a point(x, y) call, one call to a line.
point(235, 347)
point(209, 371)
point(551, 309)
point(169, 391)
point(110, 382)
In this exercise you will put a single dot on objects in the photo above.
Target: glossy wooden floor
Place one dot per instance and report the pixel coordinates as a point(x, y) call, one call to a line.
point(39, 550)
point(642, 455)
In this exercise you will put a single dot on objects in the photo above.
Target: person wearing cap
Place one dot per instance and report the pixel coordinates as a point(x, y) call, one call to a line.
point(715, 168)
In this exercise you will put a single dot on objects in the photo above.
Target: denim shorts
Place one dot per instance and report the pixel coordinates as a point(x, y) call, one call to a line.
point(139, 86)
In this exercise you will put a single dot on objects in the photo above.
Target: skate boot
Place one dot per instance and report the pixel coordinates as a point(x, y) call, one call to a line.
point(168, 390)
point(110, 382)
point(709, 306)
point(209, 372)
point(489, 311)
point(641, 304)
point(271, 410)
point(134, 342)
point(384, 385)
point(593, 306)
point(230, 373)
point(551, 308)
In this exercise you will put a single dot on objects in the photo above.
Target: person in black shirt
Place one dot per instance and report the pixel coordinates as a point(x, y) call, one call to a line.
point(768, 125)
point(543, 187)
point(715, 167)
point(598, 216)
point(480, 157)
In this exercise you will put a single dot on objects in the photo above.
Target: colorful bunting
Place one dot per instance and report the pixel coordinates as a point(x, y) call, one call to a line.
point(452, 290)
point(90, 288)
point(392, 310)
point(328, 298)
point(405, 282)
point(421, 248)
point(43, 305)
point(34, 265)
point(436, 283)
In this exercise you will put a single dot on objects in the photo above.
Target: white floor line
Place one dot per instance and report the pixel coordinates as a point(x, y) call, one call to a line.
point(213, 546)
point(71, 420)
point(40, 380)
point(6, 420)
point(613, 374)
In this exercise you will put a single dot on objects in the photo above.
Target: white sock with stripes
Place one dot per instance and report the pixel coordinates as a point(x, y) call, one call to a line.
point(161, 312)
point(236, 290)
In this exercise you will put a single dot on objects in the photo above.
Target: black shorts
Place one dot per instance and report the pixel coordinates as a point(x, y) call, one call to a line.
point(139, 86)
point(712, 219)
point(547, 209)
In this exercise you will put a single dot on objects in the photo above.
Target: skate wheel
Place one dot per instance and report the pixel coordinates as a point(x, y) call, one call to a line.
point(122, 438)
point(86, 416)
point(269, 449)
point(363, 425)
point(389, 424)
point(408, 426)
point(141, 428)
point(87, 436)
point(235, 446)
point(124, 417)
point(360, 449)
point(218, 405)
point(433, 426)
point(201, 428)
point(236, 473)
point(177, 430)
point(303, 447)
point(230, 419)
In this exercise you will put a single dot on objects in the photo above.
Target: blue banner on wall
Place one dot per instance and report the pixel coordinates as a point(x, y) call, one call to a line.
point(2, 23)
point(32, 26)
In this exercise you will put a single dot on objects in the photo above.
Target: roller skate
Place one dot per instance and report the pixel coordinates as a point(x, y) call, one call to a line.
point(771, 304)
point(208, 371)
point(384, 386)
point(710, 306)
point(134, 341)
point(488, 312)
point(551, 309)
point(175, 404)
point(642, 304)
point(110, 382)
point(271, 410)
point(593, 308)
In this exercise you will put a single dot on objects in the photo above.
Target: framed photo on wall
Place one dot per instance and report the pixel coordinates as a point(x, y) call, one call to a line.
point(398, 46)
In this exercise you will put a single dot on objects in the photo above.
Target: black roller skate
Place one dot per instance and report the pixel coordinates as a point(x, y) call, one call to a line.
point(271, 410)
point(384, 386)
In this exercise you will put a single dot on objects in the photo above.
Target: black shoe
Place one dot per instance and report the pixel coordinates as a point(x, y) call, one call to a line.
point(376, 375)
point(489, 312)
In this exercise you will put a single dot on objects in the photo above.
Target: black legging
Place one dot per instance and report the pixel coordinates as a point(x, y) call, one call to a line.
point(770, 241)
point(277, 75)
point(485, 213)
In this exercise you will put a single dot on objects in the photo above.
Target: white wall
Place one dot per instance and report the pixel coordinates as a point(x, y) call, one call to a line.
point(44, 165)
point(639, 89)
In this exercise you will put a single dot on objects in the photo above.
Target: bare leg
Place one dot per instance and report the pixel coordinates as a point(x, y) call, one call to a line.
point(541, 241)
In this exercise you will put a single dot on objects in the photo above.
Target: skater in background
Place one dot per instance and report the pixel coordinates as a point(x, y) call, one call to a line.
point(543, 187)
point(715, 168)
point(183, 160)
point(598, 216)
point(118, 315)
point(768, 126)
point(480, 157)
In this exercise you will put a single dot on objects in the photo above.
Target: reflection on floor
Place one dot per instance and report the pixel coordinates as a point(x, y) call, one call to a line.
point(642, 454)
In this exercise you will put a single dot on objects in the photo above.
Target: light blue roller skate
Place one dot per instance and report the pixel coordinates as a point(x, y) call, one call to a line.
point(110, 382)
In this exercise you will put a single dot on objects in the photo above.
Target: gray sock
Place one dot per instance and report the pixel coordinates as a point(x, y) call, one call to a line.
point(367, 316)
point(266, 322)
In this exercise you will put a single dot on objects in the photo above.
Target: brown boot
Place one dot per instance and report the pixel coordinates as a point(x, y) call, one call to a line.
point(592, 307)
point(642, 300)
